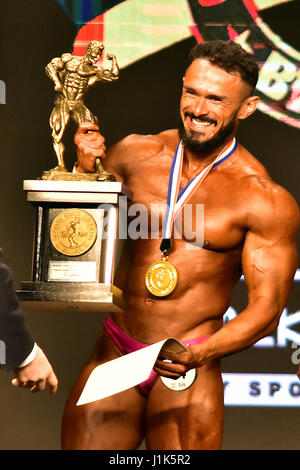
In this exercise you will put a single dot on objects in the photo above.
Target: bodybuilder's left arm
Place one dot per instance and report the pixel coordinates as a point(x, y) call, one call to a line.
point(112, 74)
point(269, 262)
point(103, 74)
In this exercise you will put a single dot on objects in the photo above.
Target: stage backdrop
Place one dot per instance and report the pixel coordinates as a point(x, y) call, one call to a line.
point(151, 39)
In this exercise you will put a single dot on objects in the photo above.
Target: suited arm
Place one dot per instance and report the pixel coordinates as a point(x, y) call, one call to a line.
point(17, 342)
point(20, 354)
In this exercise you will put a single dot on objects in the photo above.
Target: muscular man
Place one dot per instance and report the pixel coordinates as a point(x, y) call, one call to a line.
point(249, 227)
point(72, 77)
point(19, 353)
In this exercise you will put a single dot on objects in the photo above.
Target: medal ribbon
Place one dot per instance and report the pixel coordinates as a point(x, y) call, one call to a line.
point(176, 201)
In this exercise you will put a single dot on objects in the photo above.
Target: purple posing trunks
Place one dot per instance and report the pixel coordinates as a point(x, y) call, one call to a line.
point(126, 345)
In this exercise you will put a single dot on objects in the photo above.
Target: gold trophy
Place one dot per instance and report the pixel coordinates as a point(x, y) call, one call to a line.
point(79, 217)
point(73, 76)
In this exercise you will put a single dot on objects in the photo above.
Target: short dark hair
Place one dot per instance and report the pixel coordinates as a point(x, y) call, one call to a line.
point(228, 56)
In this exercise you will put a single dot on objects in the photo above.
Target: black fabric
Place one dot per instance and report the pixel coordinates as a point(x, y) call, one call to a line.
point(16, 341)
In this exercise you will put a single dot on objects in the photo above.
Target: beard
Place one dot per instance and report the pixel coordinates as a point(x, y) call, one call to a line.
point(191, 142)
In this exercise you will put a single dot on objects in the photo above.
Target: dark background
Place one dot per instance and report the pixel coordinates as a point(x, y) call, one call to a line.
point(144, 100)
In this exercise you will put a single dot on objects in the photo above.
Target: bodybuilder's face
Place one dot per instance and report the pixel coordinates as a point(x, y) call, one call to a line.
point(93, 55)
point(212, 102)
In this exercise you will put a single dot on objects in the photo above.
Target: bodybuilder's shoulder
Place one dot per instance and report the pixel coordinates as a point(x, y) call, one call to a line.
point(269, 204)
point(142, 146)
point(264, 200)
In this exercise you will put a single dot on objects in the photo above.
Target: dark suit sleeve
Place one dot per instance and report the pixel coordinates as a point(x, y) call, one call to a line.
point(16, 341)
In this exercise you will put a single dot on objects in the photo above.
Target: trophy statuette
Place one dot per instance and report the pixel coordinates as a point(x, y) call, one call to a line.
point(73, 76)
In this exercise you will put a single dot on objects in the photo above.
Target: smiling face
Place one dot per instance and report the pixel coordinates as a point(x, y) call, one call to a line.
point(212, 103)
point(93, 55)
point(93, 52)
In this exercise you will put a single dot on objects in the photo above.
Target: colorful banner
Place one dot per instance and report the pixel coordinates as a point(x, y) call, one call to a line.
point(134, 29)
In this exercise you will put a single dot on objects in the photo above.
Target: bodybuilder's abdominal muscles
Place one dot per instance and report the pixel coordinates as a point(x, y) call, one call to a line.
point(196, 304)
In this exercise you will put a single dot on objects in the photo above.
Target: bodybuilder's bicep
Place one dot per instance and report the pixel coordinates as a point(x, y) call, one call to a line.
point(269, 258)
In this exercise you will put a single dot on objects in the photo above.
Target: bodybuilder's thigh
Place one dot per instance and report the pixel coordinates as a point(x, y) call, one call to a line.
point(115, 422)
point(59, 117)
point(191, 419)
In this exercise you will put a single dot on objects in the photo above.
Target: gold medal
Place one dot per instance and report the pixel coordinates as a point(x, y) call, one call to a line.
point(161, 278)
point(73, 232)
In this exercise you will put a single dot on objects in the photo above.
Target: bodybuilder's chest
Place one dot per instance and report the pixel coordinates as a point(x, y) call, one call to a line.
point(212, 217)
point(75, 67)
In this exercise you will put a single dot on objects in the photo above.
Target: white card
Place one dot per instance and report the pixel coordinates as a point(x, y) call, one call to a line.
point(126, 371)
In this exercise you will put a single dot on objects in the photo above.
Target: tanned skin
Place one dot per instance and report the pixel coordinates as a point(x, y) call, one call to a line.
point(249, 227)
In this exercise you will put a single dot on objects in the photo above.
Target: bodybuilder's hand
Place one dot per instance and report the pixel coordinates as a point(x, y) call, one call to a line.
point(174, 365)
point(90, 145)
point(36, 375)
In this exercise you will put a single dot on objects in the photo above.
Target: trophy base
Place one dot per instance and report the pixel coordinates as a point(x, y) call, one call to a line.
point(58, 175)
point(61, 296)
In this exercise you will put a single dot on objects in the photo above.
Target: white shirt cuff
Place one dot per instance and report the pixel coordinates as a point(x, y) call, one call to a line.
point(30, 357)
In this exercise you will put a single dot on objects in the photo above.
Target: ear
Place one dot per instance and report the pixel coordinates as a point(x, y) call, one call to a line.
point(248, 107)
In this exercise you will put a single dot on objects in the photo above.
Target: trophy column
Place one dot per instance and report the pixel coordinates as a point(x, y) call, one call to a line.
point(79, 238)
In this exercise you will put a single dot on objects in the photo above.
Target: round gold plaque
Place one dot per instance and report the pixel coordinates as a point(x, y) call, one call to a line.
point(73, 232)
point(161, 278)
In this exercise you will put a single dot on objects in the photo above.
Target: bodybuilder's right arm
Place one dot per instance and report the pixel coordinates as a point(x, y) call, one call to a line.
point(57, 64)
point(121, 158)
point(90, 144)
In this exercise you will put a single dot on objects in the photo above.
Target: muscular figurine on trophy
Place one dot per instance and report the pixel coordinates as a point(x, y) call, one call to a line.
point(72, 77)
